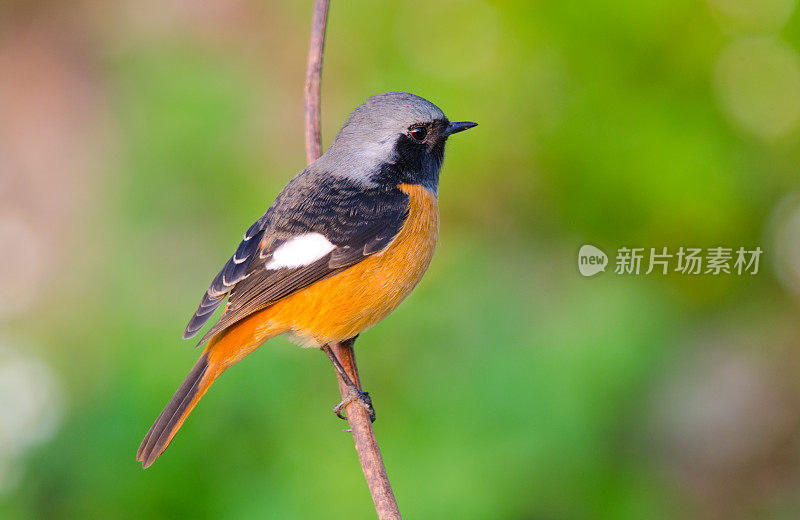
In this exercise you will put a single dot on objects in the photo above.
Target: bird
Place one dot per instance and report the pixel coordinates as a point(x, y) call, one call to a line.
point(341, 246)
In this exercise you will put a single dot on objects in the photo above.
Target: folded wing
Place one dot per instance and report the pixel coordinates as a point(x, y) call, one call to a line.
point(314, 229)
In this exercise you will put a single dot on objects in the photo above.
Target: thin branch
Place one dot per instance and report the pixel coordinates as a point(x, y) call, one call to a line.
point(314, 80)
point(369, 453)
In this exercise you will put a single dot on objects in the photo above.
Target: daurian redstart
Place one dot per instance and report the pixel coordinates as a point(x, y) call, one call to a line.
point(341, 246)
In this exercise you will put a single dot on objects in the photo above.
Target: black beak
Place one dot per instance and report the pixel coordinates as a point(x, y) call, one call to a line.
point(459, 126)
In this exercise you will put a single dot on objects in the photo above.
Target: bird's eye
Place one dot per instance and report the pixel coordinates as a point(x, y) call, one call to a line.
point(418, 133)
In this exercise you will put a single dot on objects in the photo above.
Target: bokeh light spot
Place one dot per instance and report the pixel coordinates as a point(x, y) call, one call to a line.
point(785, 239)
point(758, 85)
point(753, 15)
point(31, 407)
point(467, 48)
point(22, 255)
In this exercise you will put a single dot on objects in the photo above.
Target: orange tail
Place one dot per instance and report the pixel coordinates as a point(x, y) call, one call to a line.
point(224, 350)
point(176, 411)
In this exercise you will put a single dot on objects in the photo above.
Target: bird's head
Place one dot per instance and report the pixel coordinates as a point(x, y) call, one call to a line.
point(393, 138)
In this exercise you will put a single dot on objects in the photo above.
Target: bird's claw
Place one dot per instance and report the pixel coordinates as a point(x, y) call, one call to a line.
point(355, 395)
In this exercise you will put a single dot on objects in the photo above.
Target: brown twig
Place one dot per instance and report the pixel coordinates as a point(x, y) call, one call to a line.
point(319, 21)
point(369, 453)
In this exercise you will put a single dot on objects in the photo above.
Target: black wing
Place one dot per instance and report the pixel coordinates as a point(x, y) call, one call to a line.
point(234, 270)
point(358, 221)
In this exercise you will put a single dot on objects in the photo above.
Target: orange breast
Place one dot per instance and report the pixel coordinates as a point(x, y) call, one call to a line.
point(340, 307)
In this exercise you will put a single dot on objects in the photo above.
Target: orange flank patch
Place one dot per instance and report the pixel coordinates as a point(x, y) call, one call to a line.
point(338, 308)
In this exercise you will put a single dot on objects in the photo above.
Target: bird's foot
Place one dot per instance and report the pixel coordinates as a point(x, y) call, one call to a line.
point(355, 395)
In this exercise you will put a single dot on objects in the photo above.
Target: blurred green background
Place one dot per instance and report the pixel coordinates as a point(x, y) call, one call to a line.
point(138, 139)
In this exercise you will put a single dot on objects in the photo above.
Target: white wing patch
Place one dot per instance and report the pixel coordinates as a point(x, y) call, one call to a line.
point(300, 251)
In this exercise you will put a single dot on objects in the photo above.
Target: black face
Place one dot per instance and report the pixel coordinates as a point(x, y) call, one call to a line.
point(418, 156)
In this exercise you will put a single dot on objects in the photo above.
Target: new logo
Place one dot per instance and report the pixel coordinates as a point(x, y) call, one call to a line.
point(591, 260)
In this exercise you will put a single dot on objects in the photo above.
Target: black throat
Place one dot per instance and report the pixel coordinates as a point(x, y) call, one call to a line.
point(413, 163)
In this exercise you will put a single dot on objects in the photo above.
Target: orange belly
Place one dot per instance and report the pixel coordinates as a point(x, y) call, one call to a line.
point(340, 307)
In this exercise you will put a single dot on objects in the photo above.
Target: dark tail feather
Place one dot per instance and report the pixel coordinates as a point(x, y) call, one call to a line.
point(176, 411)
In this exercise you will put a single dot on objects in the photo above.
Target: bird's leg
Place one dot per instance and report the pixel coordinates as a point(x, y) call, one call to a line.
point(353, 392)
